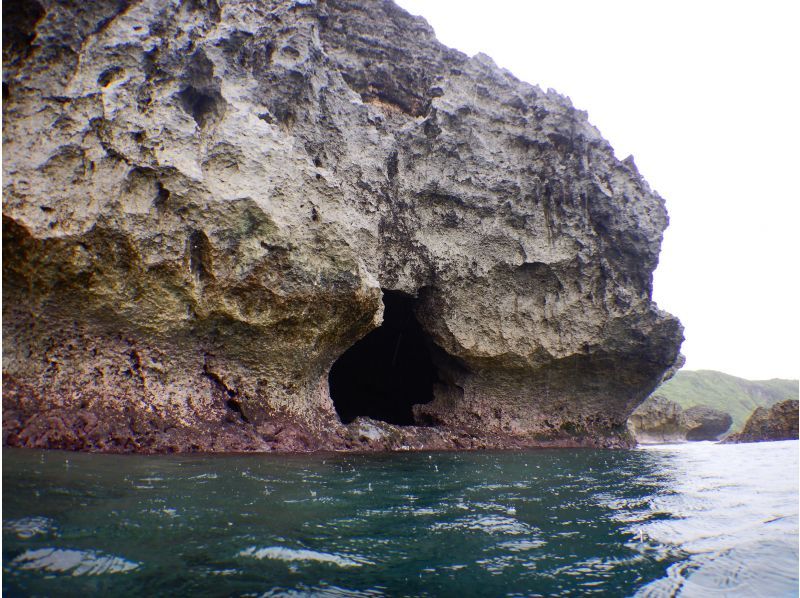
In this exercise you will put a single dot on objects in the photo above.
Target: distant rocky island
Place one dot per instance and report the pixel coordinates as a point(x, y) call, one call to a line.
point(308, 225)
point(710, 405)
point(778, 422)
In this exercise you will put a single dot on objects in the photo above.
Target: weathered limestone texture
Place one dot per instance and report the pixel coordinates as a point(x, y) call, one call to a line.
point(660, 420)
point(203, 201)
point(779, 422)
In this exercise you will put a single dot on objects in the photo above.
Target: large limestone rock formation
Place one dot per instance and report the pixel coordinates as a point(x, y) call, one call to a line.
point(205, 201)
point(659, 420)
point(779, 422)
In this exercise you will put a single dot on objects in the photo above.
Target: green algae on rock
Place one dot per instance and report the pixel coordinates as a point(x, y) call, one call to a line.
point(206, 205)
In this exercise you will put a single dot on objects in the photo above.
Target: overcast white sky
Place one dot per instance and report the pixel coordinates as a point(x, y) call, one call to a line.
point(705, 94)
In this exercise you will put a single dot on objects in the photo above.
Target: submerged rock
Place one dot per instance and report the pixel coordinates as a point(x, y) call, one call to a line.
point(779, 422)
point(206, 205)
point(659, 420)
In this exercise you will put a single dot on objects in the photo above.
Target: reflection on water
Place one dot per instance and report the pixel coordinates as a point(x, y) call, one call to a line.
point(735, 518)
point(696, 520)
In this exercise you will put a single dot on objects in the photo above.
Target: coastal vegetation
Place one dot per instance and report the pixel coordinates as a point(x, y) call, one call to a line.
point(730, 394)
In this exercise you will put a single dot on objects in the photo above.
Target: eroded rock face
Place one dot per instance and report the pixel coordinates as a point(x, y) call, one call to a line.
point(659, 420)
point(706, 423)
point(779, 422)
point(204, 200)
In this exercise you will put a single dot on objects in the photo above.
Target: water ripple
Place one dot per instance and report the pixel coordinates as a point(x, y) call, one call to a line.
point(692, 520)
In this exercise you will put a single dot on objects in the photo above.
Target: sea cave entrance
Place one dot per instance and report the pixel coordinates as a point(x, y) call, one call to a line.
point(388, 371)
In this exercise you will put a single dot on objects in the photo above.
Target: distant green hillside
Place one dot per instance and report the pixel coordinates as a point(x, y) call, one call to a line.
point(736, 396)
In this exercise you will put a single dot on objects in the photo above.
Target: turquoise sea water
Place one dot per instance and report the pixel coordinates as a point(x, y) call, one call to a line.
point(695, 520)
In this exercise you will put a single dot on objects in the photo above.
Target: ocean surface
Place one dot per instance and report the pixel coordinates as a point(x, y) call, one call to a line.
point(696, 519)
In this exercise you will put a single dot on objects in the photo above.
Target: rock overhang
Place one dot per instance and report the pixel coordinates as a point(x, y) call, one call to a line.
point(228, 190)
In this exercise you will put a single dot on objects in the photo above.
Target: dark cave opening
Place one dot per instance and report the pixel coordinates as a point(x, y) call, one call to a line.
point(388, 371)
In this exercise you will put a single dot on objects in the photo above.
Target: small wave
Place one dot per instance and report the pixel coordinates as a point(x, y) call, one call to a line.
point(500, 525)
point(495, 506)
point(76, 562)
point(28, 527)
point(281, 553)
point(223, 572)
point(166, 511)
point(491, 524)
point(497, 565)
point(521, 545)
point(246, 473)
point(425, 511)
point(326, 591)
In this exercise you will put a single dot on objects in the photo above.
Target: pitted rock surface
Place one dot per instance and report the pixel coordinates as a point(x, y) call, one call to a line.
point(203, 201)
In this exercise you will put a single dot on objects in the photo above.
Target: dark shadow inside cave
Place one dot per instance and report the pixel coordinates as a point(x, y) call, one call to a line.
point(388, 371)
